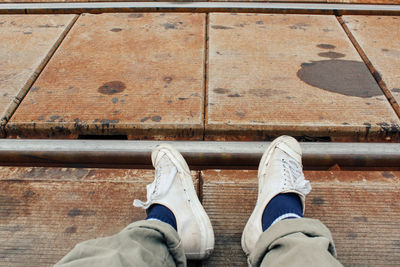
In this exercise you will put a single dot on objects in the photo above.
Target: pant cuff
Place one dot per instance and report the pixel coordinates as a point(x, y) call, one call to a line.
point(171, 237)
point(309, 227)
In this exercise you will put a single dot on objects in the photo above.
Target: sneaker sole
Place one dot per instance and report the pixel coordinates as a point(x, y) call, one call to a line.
point(198, 210)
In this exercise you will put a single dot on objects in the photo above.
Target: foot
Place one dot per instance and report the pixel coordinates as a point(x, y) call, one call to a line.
point(173, 188)
point(280, 171)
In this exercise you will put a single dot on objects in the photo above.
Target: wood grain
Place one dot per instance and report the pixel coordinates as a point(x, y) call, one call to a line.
point(133, 75)
point(27, 43)
point(45, 212)
point(360, 208)
point(291, 74)
point(378, 37)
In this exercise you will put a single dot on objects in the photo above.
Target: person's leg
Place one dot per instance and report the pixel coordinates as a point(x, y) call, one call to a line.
point(142, 243)
point(176, 227)
point(295, 242)
point(276, 233)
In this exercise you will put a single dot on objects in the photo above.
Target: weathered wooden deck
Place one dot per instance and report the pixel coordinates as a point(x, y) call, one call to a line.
point(197, 76)
point(46, 211)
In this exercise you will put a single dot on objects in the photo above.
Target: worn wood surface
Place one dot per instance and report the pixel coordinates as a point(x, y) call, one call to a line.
point(26, 44)
point(228, 198)
point(291, 74)
point(379, 38)
point(362, 211)
point(134, 75)
point(360, 208)
point(45, 212)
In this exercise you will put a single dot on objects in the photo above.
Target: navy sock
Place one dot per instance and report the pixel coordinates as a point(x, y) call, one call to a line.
point(162, 213)
point(279, 205)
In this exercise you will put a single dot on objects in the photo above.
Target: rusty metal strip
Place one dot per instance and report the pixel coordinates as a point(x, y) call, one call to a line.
point(199, 154)
point(371, 68)
point(206, 73)
point(244, 7)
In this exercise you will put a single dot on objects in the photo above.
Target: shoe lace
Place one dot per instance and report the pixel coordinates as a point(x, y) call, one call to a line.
point(159, 187)
point(156, 184)
point(293, 177)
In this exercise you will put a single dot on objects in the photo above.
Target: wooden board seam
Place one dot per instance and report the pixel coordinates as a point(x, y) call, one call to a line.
point(206, 58)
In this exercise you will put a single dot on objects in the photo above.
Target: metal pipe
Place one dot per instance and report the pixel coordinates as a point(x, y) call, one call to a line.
point(199, 154)
point(247, 7)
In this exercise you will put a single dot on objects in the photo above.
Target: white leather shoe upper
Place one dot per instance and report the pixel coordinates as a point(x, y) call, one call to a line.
point(280, 171)
point(173, 187)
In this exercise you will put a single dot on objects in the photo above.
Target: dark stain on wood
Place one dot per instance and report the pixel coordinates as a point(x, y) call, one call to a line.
point(28, 194)
point(156, 118)
point(111, 88)
point(331, 54)
point(116, 29)
point(70, 230)
point(352, 235)
point(77, 212)
point(135, 15)
point(221, 90)
point(360, 219)
point(319, 201)
point(221, 27)
point(9, 207)
point(388, 175)
point(326, 46)
point(344, 77)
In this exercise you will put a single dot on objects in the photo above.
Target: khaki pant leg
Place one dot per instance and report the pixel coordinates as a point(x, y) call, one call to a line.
point(295, 242)
point(142, 243)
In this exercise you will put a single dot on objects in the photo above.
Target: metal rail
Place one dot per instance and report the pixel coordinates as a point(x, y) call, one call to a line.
point(242, 7)
point(199, 154)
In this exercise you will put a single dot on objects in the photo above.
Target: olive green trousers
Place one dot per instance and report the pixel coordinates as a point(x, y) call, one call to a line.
point(291, 242)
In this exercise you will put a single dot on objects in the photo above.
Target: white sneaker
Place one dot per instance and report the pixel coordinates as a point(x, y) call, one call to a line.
point(280, 171)
point(173, 187)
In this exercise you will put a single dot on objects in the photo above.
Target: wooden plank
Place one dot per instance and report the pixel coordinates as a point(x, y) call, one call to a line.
point(135, 75)
point(378, 37)
point(360, 208)
point(228, 198)
point(362, 211)
point(27, 43)
point(46, 211)
point(291, 74)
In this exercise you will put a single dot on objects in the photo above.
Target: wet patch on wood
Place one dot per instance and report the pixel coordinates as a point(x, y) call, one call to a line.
point(338, 76)
point(378, 37)
point(291, 89)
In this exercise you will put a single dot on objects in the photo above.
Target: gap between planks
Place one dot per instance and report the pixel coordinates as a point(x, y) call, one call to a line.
point(206, 58)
